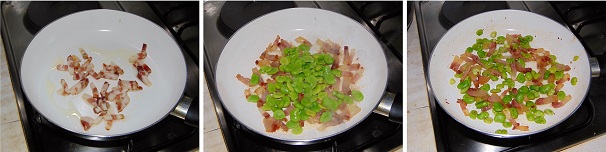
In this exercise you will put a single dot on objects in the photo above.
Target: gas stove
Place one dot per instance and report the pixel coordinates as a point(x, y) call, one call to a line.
point(584, 19)
point(22, 20)
point(375, 133)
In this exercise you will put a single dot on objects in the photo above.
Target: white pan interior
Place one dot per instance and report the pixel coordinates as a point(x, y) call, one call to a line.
point(106, 35)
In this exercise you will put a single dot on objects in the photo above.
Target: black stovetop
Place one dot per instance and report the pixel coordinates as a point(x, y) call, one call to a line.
point(583, 125)
point(375, 133)
point(171, 133)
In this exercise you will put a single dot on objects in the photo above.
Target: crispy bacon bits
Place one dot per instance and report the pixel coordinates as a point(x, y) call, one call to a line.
point(100, 101)
point(142, 68)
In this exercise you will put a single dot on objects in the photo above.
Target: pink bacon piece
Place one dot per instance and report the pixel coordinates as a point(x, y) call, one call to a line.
point(102, 109)
point(86, 122)
point(111, 71)
point(346, 82)
point(78, 71)
point(346, 56)
point(63, 90)
point(99, 110)
point(351, 56)
point(97, 120)
point(114, 93)
point(78, 87)
point(139, 56)
point(122, 102)
point(143, 72)
point(93, 88)
point(243, 79)
point(302, 40)
point(78, 75)
point(90, 100)
point(104, 106)
point(115, 68)
point(328, 46)
point(104, 88)
point(113, 117)
point(359, 73)
point(84, 55)
point(109, 118)
point(62, 67)
point(144, 78)
point(86, 65)
point(143, 69)
point(73, 63)
point(129, 85)
point(335, 64)
point(108, 125)
point(141, 66)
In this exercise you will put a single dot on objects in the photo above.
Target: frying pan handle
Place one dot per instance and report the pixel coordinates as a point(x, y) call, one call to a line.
point(596, 64)
point(391, 106)
point(191, 118)
point(188, 109)
point(395, 114)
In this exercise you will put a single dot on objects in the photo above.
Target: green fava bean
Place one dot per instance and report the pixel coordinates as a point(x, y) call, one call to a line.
point(507, 124)
point(521, 78)
point(329, 79)
point(498, 107)
point(253, 98)
point(279, 114)
point(271, 87)
point(499, 117)
point(292, 124)
point(254, 79)
point(473, 114)
point(488, 120)
point(329, 59)
point(348, 99)
point(338, 94)
point(297, 130)
point(483, 115)
point(513, 112)
point(540, 120)
point(325, 117)
point(357, 95)
point(480, 32)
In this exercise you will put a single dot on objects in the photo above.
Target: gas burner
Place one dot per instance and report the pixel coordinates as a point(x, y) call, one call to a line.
point(588, 20)
point(454, 12)
point(39, 14)
point(235, 14)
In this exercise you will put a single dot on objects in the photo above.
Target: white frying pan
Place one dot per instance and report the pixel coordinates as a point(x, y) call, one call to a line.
point(245, 46)
point(106, 35)
point(547, 34)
